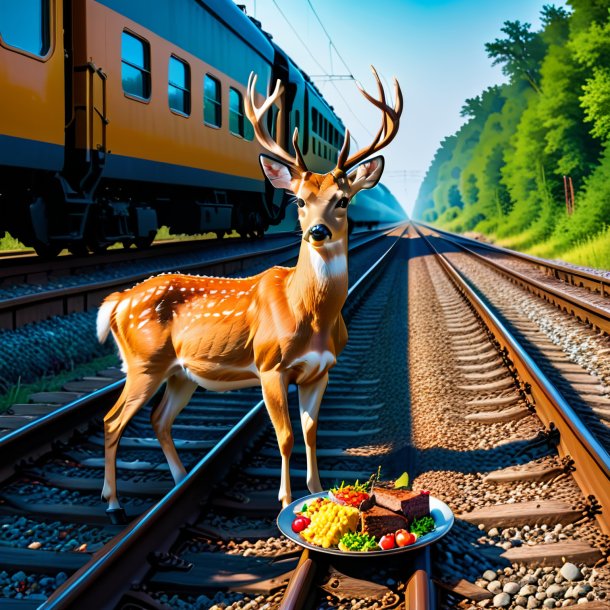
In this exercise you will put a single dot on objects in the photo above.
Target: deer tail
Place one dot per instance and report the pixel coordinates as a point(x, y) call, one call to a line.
point(104, 317)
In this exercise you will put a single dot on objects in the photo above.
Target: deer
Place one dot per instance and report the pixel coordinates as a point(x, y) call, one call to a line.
point(279, 327)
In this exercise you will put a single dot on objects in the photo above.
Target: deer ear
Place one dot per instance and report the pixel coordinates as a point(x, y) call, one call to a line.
point(366, 175)
point(279, 174)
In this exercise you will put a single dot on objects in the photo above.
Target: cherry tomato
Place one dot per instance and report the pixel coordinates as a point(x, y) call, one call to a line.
point(404, 538)
point(387, 542)
point(300, 523)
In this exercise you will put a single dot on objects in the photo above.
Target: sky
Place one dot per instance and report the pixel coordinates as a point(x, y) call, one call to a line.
point(435, 48)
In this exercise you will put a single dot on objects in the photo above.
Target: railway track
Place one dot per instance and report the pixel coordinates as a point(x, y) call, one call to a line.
point(76, 471)
point(475, 422)
point(581, 293)
point(572, 402)
point(526, 445)
point(32, 289)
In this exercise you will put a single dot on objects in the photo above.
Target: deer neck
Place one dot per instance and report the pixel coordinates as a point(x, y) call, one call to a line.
point(317, 288)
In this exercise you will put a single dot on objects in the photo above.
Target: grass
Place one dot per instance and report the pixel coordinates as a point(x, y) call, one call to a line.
point(8, 242)
point(20, 393)
point(593, 252)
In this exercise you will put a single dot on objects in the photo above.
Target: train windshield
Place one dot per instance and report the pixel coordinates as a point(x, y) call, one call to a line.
point(26, 25)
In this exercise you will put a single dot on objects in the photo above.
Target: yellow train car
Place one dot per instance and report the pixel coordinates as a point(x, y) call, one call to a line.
point(125, 115)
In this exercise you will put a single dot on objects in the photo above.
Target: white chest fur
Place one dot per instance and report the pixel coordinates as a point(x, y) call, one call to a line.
point(312, 364)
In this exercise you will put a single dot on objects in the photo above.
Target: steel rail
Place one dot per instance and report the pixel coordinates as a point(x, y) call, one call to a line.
point(591, 459)
point(592, 281)
point(38, 436)
point(583, 310)
point(35, 437)
point(17, 311)
point(124, 559)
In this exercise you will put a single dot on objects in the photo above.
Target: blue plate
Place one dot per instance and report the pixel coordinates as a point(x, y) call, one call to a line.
point(439, 511)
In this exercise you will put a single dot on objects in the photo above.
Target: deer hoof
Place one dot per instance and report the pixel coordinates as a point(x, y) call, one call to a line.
point(117, 516)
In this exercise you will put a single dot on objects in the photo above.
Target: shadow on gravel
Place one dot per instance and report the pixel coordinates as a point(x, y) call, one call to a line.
point(514, 453)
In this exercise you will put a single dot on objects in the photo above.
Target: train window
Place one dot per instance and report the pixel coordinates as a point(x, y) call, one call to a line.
point(239, 125)
point(179, 86)
point(212, 109)
point(314, 120)
point(236, 113)
point(135, 66)
point(26, 25)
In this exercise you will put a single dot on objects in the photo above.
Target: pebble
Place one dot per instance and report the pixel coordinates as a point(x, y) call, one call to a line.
point(548, 603)
point(489, 575)
point(555, 590)
point(581, 590)
point(494, 586)
point(532, 602)
point(570, 572)
point(501, 600)
point(527, 590)
point(511, 588)
point(520, 600)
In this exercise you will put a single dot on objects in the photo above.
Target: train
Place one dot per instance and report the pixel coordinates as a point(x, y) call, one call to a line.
point(122, 116)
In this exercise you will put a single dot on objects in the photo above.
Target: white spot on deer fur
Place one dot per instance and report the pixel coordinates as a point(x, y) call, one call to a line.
point(211, 304)
point(227, 312)
point(142, 323)
point(213, 291)
point(131, 316)
point(182, 289)
point(223, 292)
point(239, 313)
point(207, 315)
point(216, 315)
point(124, 304)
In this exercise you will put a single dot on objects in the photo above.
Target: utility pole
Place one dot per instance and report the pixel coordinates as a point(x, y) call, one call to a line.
point(568, 188)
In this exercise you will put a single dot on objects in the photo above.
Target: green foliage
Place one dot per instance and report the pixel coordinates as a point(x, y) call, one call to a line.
point(519, 53)
point(8, 242)
point(502, 173)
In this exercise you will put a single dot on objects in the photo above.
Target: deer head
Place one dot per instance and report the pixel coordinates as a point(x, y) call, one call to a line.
point(323, 199)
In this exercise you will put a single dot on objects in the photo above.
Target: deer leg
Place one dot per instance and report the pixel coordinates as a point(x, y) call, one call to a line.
point(310, 397)
point(178, 392)
point(138, 389)
point(276, 401)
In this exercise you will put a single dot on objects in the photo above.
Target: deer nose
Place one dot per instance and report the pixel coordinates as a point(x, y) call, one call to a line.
point(319, 232)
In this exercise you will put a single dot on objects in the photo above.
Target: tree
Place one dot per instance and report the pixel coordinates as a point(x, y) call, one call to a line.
point(521, 53)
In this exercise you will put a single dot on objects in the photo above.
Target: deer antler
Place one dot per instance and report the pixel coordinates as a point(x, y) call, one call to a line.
point(386, 133)
point(255, 115)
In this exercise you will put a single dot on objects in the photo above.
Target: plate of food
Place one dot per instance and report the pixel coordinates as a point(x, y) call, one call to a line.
point(354, 520)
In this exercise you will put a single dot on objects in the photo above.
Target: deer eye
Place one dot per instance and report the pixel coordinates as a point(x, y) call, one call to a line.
point(342, 203)
point(300, 203)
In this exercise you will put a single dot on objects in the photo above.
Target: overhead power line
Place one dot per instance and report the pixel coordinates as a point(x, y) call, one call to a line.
point(330, 40)
point(326, 75)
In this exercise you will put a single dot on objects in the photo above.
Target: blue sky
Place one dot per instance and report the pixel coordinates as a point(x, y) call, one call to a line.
point(435, 48)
